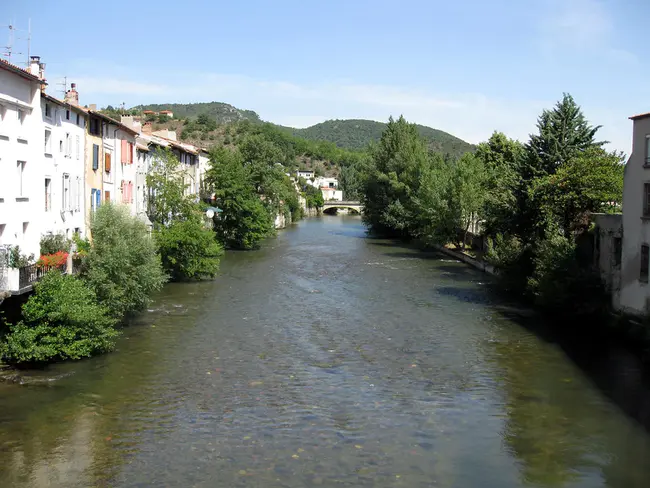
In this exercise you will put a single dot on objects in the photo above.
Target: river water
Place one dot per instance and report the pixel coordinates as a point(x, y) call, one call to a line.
point(329, 359)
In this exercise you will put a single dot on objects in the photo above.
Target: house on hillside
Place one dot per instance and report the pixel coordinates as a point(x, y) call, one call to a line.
point(168, 113)
point(331, 193)
point(64, 162)
point(22, 198)
point(304, 174)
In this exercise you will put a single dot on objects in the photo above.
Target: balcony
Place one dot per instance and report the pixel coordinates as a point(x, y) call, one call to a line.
point(17, 281)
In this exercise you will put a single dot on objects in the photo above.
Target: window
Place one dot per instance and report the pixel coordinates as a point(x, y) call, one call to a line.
point(48, 141)
point(65, 201)
point(123, 152)
point(60, 146)
point(48, 194)
point(78, 201)
point(21, 178)
point(78, 146)
point(645, 254)
point(95, 197)
point(95, 126)
point(95, 156)
point(48, 110)
point(107, 196)
point(107, 162)
point(68, 145)
point(78, 119)
point(67, 115)
point(618, 250)
point(646, 199)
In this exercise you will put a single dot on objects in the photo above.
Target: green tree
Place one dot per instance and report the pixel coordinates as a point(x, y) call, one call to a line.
point(122, 267)
point(501, 157)
point(188, 249)
point(245, 221)
point(588, 182)
point(563, 133)
point(397, 164)
point(61, 320)
point(468, 194)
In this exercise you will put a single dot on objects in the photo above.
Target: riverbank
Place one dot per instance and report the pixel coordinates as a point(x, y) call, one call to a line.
point(628, 331)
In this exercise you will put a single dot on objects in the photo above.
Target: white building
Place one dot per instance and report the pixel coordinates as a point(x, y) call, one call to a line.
point(635, 259)
point(304, 174)
point(21, 156)
point(330, 193)
point(63, 167)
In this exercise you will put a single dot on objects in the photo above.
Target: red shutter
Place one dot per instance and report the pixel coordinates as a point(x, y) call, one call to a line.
point(130, 153)
point(124, 152)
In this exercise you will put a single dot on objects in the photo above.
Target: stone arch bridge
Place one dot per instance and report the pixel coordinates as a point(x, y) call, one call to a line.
point(331, 206)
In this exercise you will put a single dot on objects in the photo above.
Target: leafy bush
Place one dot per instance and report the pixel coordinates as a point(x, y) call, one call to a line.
point(188, 249)
point(62, 320)
point(509, 255)
point(122, 266)
point(17, 259)
point(51, 244)
point(561, 283)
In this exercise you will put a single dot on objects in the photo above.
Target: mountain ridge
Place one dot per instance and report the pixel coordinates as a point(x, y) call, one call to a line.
point(354, 134)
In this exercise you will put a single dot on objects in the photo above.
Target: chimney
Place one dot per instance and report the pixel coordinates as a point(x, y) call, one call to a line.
point(92, 106)
point(146, 128)
point(35, 65)
point(72, 96)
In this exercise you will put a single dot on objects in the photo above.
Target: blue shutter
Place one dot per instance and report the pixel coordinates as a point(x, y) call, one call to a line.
point(98, 197)
point(95, 156)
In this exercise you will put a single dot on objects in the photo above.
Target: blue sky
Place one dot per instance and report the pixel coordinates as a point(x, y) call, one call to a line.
point(467, 67)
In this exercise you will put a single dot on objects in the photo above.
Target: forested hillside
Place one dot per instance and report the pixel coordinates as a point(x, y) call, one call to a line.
point(357, 134)
point(222, 113)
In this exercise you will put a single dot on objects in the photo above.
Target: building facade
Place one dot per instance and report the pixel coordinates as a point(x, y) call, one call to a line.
point(21, 156)
point(63, 184)
point(635, 289)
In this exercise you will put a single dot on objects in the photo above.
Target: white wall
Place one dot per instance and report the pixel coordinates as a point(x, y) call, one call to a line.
point(635, 295)
point(21, 184)
point(64, 202)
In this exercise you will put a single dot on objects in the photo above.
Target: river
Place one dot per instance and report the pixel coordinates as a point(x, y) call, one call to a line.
point(329, 359)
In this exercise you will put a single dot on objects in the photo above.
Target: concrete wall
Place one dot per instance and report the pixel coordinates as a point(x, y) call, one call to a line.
point(608, 246)
point(635, 295)
point(21, 189)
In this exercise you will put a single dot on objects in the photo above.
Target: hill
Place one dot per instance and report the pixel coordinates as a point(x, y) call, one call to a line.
point(358, 133)
point(222, 113)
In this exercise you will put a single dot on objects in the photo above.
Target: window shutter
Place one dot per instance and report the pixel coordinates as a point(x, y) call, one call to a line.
point(124, 150)
point(95, 156)
point(130, 153)
point(98, 198)
point(107, 196)
point(107, 162)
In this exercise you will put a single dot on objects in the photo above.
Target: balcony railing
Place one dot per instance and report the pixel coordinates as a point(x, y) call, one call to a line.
point(28, 275)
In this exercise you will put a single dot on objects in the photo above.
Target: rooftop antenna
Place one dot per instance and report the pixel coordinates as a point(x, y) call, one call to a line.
point(64, 84)
point(8, 50)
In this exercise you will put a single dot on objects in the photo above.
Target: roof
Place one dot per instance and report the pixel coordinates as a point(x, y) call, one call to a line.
point(165, 112)
point(114, 122)
point(20, 71)
point(640, 116)
point(64, 103)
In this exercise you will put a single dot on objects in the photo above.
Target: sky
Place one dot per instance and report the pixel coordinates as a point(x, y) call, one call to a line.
point(466, 67)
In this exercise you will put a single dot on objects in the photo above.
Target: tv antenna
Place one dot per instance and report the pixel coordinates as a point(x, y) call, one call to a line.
point(14, 35)
point(64, 84)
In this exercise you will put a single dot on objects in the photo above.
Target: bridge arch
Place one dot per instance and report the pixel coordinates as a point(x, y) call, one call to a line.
point(333, 206)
